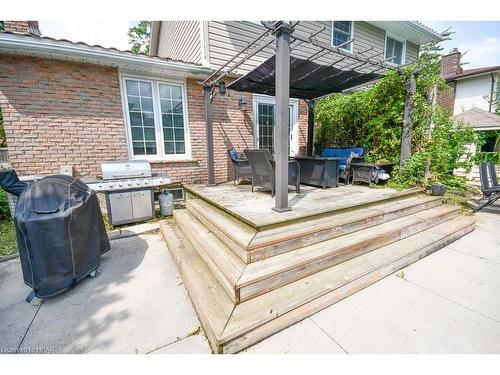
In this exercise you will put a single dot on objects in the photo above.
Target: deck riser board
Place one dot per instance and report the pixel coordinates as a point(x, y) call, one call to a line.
point(254, 209)
point(257, 311)
point(263, 280)
point(210, 302)
point(221, 261)
point(315, 305)
point(320, 233)
point(251, 245)
point(237, 248)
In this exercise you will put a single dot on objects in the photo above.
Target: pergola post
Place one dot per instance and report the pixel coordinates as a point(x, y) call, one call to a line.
point(209, 130)
point(410, 90)
point(281, 153)
point(310, 127)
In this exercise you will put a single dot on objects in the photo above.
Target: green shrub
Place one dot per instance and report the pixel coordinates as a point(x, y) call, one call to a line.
point(445, 151)
point(4, 206)
point(373, 118)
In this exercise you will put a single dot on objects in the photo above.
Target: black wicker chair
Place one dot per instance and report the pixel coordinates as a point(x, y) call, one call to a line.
point(263, 170)
point(489, 184)
point(493, 174)
point(241, 165)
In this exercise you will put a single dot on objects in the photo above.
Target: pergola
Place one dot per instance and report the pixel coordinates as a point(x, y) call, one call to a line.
point(285, 76)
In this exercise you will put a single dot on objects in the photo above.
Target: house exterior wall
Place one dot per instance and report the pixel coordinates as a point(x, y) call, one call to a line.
point(61, 113)
point(473, 92)
point(180, 40)
point(228, 37)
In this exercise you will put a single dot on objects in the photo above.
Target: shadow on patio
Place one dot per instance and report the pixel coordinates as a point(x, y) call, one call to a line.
point(136, 305)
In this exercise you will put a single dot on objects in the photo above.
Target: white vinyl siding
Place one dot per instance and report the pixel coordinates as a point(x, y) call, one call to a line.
point(180, 40)
point(226, 38)
point(342, 31)
point(156, 119)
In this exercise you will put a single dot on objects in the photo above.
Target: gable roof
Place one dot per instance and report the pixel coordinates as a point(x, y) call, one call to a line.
point(479, 119)
point(28, 45)
point(473, 72)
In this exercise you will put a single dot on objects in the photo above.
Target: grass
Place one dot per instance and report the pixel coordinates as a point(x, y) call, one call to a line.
point(8, 242)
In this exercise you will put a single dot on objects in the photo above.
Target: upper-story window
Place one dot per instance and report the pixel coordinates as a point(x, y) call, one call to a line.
point(342, 32)
point(156, 119)
point(395, 49)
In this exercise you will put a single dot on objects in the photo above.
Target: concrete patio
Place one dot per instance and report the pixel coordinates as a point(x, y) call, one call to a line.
point(446, 303)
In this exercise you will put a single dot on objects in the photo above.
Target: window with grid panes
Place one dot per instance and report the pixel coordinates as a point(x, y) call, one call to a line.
point(341, 33)
point(156, 118)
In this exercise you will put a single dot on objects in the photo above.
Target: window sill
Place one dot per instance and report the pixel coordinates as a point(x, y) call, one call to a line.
point(164, 161)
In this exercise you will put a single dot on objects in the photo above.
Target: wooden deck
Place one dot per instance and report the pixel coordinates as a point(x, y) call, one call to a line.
point(255, 208)
point(251, 271)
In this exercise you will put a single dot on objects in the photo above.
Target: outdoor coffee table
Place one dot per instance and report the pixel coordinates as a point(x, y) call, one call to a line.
point(362, 172)
point(319, 171)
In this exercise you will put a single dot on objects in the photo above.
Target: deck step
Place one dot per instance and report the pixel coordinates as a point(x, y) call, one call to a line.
point(222, 262)
point(265, 315)
point(268, 274)
point(210, 300)
point(233, 232)
point(231, 328)
point(252, 245)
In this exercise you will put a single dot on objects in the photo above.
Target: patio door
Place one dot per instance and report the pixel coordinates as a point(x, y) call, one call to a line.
point(264, 120)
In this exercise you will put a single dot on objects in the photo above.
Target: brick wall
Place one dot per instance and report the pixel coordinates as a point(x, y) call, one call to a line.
point(22, 27)
point(450, 65)
point(60, 113)
point(446, 97)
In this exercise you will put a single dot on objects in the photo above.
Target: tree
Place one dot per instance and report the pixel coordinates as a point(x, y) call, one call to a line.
point(139, 36)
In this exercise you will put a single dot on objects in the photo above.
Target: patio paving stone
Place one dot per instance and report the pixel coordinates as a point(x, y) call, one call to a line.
point(467, 280)
point(302, 338)
point(15, 314)
point(135, 305)
point(396, 316)
point(195, 344)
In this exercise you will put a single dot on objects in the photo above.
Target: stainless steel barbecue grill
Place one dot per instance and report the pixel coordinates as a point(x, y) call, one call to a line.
point(128, 186)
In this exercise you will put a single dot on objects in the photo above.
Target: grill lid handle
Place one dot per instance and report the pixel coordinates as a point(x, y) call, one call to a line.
point(44, 212)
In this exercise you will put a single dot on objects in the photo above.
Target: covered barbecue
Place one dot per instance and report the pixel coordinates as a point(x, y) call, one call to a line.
point(60, 233)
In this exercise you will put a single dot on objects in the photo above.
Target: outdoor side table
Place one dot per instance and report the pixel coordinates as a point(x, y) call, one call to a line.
point(362, 172)
point(319, 171)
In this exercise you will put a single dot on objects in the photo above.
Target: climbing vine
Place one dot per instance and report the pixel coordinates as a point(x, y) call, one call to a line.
point(373, 118)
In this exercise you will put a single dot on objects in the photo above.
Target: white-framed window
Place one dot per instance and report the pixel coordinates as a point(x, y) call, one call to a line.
point(156, 118)
point(342, 31)
point(395, 47)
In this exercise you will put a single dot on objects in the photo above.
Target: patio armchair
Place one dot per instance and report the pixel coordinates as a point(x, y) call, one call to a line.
point(493, 174)
point(344, 154)
point(241, 165)
point(489, 184)
point(263, 171)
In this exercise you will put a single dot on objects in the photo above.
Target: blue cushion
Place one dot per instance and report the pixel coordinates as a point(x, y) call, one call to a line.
point(233, 154)
point(343, 153)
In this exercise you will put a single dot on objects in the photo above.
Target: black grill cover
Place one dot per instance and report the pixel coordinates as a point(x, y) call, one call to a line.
point(10, 182)
point(60, 233)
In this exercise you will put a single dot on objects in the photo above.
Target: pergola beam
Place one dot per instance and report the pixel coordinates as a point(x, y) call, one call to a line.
point(340, 51)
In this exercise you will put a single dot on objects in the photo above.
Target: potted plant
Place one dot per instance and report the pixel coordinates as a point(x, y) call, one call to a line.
point(437, 189)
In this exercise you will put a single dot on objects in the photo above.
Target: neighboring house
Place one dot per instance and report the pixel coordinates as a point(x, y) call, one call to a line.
point(71, 104)
point(471, 100)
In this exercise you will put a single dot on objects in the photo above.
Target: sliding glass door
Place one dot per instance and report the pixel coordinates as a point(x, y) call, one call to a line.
point(264, 121)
